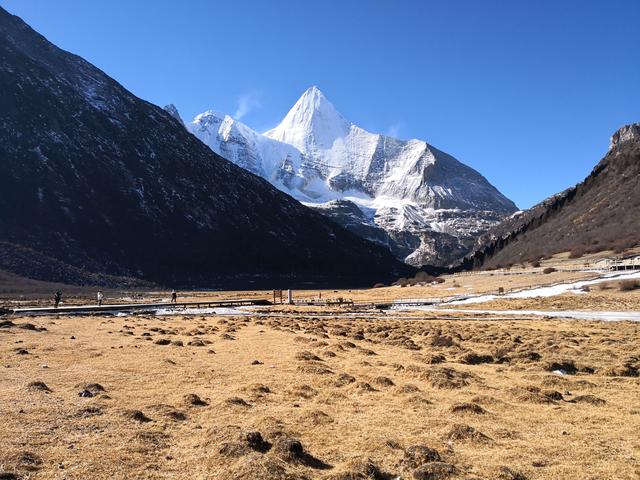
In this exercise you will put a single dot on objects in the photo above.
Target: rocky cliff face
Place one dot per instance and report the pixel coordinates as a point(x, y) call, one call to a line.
point(101, 180)
point(420, 202)
point(628, 133)
point(600, 213)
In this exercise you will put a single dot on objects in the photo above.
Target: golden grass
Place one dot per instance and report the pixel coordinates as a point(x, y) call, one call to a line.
point(453, 285)
point(468, 283)
point(594, 300)
point(365, 398)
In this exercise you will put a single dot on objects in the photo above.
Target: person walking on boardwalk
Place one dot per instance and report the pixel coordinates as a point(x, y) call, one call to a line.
point(57, 297)
point(100, 296)
point(174, 296)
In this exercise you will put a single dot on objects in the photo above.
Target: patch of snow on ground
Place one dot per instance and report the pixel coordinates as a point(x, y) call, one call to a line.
point(202, 311)
point(607, 316)
point(549, 291)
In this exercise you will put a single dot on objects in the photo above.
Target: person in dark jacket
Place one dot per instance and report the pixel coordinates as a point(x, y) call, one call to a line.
point(57, 297)
point(174, 296)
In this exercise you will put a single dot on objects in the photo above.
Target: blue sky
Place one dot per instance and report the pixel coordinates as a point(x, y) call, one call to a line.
point(525, 92)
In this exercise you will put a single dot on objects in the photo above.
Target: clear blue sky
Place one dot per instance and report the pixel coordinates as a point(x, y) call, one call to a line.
point(526, 92)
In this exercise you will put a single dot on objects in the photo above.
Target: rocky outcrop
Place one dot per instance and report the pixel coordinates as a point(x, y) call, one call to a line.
point(627, 133)
point(173, 111)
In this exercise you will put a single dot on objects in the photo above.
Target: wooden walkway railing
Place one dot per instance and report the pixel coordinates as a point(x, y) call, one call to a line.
point(135, 307)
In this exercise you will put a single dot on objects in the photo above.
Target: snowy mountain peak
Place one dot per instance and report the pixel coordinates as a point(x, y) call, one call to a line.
point(314, 105)
point(209, 116)
point(245, 147)
point(417, 200)
point(312, 124)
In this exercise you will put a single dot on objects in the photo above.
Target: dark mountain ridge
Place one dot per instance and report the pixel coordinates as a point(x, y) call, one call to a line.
point(600, 213)
point(105, 182)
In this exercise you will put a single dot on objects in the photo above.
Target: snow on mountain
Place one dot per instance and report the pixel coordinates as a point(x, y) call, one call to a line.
point(422, 203)
point(312, 125)
point(275, 161)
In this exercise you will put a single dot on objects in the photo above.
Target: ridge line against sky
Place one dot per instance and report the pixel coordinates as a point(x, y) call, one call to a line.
point(527, 94)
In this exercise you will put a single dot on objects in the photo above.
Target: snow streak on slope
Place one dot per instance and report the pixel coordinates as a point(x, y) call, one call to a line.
point(420, 202)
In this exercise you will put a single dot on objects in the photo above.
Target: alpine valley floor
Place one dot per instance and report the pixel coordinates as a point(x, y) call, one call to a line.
point(183, 397)
point(328, 392)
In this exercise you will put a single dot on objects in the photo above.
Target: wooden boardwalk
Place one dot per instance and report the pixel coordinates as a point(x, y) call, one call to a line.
point(618, 264)
point(135, 307)
point(625, 264)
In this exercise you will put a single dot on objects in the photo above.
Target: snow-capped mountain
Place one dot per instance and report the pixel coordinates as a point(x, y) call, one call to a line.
point(422, 203)
point(273, 160)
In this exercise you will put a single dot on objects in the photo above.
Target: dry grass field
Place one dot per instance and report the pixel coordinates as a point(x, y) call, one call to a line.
point(471, 283)
point(468, 283)
point(303, 397)
point(595, 300)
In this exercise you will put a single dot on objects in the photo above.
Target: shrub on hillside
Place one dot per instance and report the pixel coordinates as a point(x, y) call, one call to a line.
point(423, 277)
point(549, 270)
point(577, 252)
point(628, 285)
point(420, 277)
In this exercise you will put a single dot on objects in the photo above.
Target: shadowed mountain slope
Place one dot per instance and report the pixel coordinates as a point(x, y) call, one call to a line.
point(103, 181)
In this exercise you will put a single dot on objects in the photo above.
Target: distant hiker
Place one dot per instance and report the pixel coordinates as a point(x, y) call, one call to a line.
point(57, 297)
point(174, 296)
point(99, 298)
